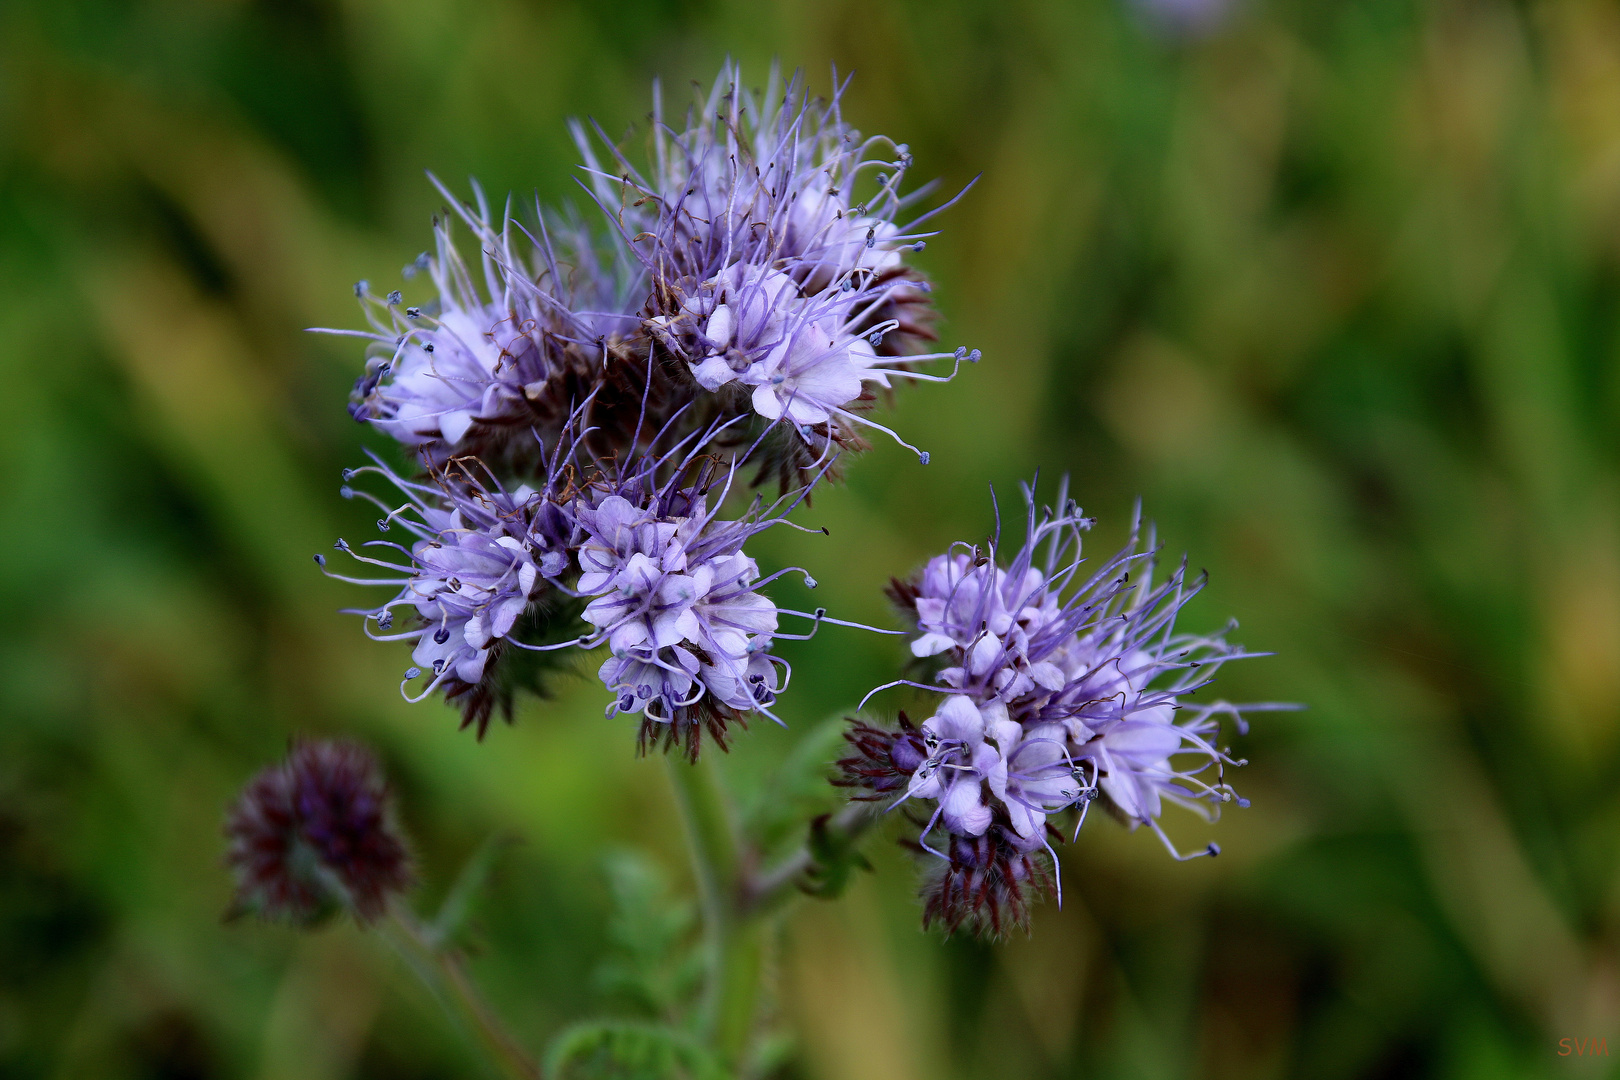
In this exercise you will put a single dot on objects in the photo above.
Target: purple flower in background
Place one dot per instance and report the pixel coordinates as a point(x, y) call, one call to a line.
point(1060, 689)
point(1191, 18)
point(314, 835)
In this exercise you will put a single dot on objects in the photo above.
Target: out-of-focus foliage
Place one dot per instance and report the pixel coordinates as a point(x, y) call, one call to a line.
point(1335, 286)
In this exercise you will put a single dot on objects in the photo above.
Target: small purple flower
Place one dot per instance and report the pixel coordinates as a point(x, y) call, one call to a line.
point(754, 270)
point(313, 835)
point(481, 559)
point(1059, 689)
point(676, 602)
point(1187, 18)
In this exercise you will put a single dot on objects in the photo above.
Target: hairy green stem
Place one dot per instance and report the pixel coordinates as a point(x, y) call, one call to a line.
point(443, 972)
point(735, 941)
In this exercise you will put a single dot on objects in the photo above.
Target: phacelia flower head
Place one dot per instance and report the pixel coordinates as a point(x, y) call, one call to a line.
point(1059, 688)
point(481, 560)
point(314, 835)
point(770, 284)
point(490, 364)
point(677, 602)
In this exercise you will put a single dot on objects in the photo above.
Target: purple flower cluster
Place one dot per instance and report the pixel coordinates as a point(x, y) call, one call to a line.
point(581, 403)
point(314, 835)
point(1058, 689)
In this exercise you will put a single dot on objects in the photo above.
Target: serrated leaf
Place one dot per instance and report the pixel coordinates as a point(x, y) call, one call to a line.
point(618, 1050)
point(651, 933)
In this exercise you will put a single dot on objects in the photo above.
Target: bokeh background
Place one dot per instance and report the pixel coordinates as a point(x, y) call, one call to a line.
point(1333, 286)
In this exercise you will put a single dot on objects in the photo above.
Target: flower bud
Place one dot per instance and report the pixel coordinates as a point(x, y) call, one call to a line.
point(314, 835)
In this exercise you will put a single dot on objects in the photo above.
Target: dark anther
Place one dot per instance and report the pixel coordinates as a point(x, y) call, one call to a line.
point(320, 560)
point(441, 635)
point(395, 297)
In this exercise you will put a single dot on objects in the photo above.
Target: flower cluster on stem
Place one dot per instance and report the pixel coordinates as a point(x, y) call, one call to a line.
point(581, 401)
point(1057, 687)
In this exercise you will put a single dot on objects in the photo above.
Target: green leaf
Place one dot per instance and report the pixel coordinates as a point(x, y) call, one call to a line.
point(651, 934)
point(620, 1050)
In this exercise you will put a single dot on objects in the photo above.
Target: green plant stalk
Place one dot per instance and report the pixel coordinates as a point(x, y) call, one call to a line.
point(735, 939)
point(441, 969)
point(769, 890)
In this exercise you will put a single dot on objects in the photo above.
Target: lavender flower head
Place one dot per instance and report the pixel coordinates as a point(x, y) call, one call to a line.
point(1059, 688)
point(481, 560)
point(314, 835)
point(673, 596)
point(477, 370)
point(770, 285)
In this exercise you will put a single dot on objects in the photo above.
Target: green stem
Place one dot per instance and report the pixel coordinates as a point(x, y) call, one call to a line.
point(442, 970)
point(769, 890)
point(736, 941)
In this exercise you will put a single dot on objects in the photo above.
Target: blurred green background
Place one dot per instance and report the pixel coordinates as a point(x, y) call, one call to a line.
point(1334, 286)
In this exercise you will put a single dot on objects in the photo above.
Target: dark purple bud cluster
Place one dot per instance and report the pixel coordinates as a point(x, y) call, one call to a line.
point(314, 835)
point(1057, 690)
point(581, 401)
